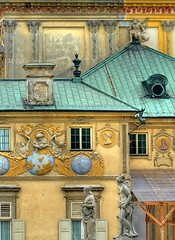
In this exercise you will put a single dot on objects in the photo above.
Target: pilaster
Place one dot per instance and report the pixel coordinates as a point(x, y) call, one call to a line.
point(94, 28)
point(168, 27)
point(9, 29)
point(110, 28)
point(33, 26)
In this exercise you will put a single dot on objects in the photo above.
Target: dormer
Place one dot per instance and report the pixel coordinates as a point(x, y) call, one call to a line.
point(156, 86)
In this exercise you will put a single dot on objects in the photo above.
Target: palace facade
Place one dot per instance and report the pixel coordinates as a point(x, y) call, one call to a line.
point(87, 94)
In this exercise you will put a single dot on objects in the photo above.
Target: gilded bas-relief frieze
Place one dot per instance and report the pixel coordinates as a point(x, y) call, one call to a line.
point(162, 145)
point(41, 149)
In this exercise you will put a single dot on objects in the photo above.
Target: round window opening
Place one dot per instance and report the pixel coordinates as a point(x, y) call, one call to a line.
point(158, 90)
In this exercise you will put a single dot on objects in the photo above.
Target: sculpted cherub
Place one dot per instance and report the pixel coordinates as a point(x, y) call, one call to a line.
point(58, 147)
point(137, 30)
point(22, 148)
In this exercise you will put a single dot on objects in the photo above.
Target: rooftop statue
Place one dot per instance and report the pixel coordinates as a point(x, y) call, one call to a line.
point(126, 228)
point(137, 30)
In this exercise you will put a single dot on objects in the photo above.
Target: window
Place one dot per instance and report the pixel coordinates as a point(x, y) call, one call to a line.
point(10, 227)
point(81, 138)
point(76, 230)
point(4, 139)
point(138, 144)
point(72, 227)
point(5, 220)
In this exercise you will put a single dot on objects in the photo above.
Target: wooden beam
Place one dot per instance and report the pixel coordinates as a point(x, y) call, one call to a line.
point(150, 215)
point(168, 215)
point(162, 229)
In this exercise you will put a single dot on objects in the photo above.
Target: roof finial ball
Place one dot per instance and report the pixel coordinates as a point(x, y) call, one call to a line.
point(76, 62)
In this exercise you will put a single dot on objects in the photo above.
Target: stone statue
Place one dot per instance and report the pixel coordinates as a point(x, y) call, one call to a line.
point(126, 228)
point(40, 142)
point(137, 30)
point(88, 215)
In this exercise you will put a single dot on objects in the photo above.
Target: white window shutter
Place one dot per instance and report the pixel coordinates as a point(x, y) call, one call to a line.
point(18, 229)
point(76, 210)
point(65, 229)
point(101, 229)
point(5, 210)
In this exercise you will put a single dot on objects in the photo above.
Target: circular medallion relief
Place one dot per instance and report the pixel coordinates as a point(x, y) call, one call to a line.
point(163, 143)
point(107, 138)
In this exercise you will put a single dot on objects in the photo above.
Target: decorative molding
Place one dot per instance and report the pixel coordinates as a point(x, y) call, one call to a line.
point(33, 26)
point(106, 136)
point(80, 120)
point(163, 159)
point(57, 178)
point(110, 27)
point(94, 27)
point(76, 187)
point(148, 10)
point(168, 27)
point(59, 8)
point(162, 145)
point(124, 150)
point(10, 27)
point(3, 120)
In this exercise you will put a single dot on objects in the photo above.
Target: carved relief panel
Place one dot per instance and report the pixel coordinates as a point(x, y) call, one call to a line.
point(42, 149)
point(163, 151)
point(107, 136)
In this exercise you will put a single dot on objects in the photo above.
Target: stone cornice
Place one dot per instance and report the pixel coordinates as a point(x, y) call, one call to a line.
point(62, 9)
point(149, 2)
point(148, 9)
point(57, 178)
point(9, 188)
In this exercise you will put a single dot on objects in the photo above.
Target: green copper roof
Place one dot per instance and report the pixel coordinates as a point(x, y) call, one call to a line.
point(68, 96)
point(115, 84)
point(121, 75)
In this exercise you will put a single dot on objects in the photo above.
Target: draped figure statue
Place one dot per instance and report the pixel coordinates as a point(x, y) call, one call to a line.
point(88, 215)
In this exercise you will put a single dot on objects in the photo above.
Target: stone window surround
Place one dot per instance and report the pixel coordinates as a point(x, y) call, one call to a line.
point(75, 193)
point(8, 193)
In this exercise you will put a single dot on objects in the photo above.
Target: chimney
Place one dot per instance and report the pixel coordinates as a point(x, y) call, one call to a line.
point(39, 83)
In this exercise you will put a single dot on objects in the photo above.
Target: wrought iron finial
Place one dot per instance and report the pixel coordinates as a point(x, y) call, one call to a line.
point(76, 62)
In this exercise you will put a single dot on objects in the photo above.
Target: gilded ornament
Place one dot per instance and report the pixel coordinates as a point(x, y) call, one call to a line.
point(163, 143)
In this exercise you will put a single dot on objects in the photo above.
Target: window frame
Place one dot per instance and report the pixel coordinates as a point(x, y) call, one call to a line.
point(9, 139)
point(80, 128)
point(137, 141)
point(8, 194)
